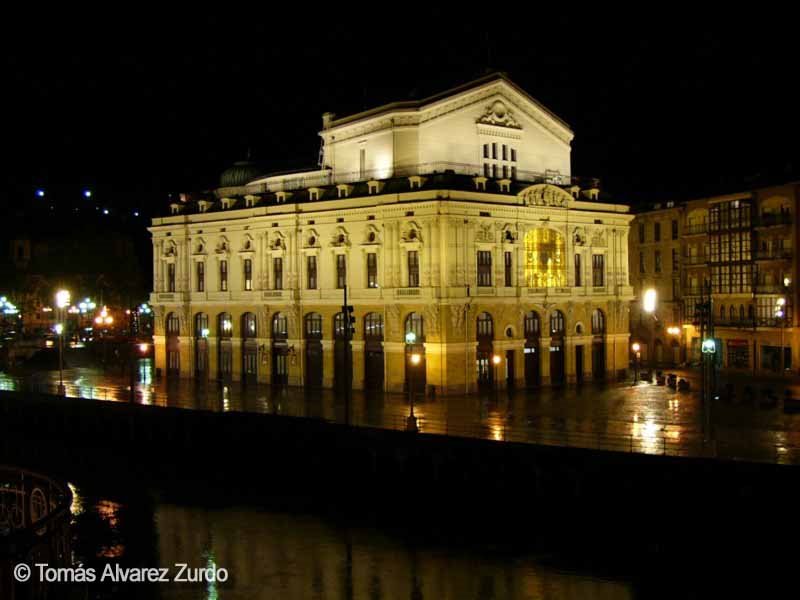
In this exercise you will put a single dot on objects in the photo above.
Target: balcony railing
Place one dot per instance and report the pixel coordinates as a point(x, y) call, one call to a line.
point(773, 220)
point(770, 288)
point(693, 261)
point(695, 229)
point(775, 254)
point(692, 291)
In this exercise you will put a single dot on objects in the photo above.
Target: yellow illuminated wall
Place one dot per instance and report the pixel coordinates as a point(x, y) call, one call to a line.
point(545, 259)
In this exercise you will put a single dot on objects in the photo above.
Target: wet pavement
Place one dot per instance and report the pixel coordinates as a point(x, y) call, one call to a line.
point(644, 418)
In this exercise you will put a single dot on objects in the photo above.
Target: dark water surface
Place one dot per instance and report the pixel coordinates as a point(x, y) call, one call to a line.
point(270, 555)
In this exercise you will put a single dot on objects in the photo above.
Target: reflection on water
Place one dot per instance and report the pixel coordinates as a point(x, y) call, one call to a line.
point(274, 555)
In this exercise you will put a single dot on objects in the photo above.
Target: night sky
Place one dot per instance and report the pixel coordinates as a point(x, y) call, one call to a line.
point(662, 105)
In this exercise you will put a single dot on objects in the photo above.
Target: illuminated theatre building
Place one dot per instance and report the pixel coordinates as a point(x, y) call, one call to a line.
point(454, 219)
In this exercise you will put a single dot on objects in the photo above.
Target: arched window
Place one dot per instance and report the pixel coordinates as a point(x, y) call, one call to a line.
point(201, 325)
point(598, 322)
point(373, 325)
point(545, 259)
point(249, 328)
point(557, 323)
point(280, 326)
point(415, 325)
point(532, 324)
point(313, 326)
point(173, 324)
point(732, 312)
point(485, 326)
point(224, 325)
point(722, 311)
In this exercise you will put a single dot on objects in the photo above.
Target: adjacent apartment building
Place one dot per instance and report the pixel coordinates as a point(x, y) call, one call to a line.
point(739, 251)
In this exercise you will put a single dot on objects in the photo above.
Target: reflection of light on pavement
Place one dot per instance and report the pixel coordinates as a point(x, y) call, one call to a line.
point(226, 400)
point(648, 433)
point(674, 404)
point(497, 432)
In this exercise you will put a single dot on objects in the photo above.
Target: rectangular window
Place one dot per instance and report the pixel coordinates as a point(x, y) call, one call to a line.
point(362, 162)
point(598, 270)
point(484, 268)
point(486, 171)
point(641, 262)
point(311, 272)
point(248, 274)
point(508, 269)
point(578, 278)
point(674, 260)
point(372, 270)
point(486, 151)
point(513, 172)
point(675, 290)
point(201, 277)
point(223, 275)
point(513, 155)
point(674, 229)
point(505, 172)
point(657, 261)
point(494, 150)
point(494, 171)
point(341, 271)
point(413, 268)
point(170, 277)
point(641, 232)
point(505, 152)
point(277, 270)
point(657, 232)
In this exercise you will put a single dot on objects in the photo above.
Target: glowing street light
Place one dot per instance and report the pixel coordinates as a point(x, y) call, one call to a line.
point(62, 298)
point(87, 193)
point(674, 330)
point(636, 347)
point(415, 359)
point(649, 301)
point(40, 193)
point(496, 361)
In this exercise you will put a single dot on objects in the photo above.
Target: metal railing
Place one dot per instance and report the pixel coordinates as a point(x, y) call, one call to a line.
point(775, 254)
point(694, 260)
point(695, 229)
point(772, 219)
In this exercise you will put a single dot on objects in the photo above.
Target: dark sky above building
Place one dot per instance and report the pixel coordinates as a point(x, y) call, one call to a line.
point(662, 105)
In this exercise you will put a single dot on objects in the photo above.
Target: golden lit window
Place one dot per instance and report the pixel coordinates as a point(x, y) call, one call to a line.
point(545, 259)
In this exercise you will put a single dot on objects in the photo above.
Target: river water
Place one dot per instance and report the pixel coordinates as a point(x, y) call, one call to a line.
point(271, 555)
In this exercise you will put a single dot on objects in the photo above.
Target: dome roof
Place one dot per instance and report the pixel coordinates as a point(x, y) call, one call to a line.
point(241, 173)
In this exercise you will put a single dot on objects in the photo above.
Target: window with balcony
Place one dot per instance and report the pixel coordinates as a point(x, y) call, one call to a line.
point(372, 270)
point(223, 276)
point(201, 276)
point(277, 272)
point(248, 274)
point(311, 272)
point(598, 270)
point(413, 268)
point(484, 268)
point(341, 271)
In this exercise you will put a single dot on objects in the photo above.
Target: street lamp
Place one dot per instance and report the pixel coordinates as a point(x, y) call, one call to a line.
point(62, 302)
point(411, 422)
point(649, 306)
point(636, 348)
point(780, 312)
point(495, 362)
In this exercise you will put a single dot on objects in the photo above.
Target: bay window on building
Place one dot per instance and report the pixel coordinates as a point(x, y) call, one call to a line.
point(484, 268)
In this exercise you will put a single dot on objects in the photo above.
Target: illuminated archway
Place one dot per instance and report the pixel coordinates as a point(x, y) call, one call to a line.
point(545, 259)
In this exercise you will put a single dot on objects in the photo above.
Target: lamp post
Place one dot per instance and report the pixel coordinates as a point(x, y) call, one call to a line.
point(780, 312)
point(62, 301)
point(636, 349)
point(649, 306)
point(411, 422)
point(496, 362)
